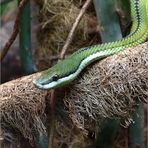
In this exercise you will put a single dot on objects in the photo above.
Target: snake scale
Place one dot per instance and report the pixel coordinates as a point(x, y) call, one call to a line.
point(67, 70)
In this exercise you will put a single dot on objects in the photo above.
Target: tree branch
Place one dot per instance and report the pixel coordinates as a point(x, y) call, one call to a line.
point(73, 29)
point(110, 88)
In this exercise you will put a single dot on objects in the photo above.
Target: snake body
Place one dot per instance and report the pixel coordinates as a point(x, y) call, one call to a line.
point(67, 70)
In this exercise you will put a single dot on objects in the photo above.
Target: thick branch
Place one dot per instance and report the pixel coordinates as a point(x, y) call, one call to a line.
point(107, 89)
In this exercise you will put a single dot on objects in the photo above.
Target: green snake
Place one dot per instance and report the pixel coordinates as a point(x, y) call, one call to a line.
point(67, 70)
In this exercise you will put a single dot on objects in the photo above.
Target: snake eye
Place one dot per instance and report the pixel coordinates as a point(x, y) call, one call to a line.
point(55, 77)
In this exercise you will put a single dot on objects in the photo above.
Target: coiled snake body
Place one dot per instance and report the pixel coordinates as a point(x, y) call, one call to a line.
point(68, 69)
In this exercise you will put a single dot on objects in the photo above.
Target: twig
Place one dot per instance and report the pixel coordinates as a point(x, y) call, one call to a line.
point(15, 30)
point(71, 33)
point(52, 121)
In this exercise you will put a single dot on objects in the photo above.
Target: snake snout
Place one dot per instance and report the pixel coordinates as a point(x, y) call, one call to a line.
point(38, 84)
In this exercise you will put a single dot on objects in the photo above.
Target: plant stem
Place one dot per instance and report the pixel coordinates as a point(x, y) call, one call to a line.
point(108, 20)
point(25, 40)
point(136, 133)
point(110, 31)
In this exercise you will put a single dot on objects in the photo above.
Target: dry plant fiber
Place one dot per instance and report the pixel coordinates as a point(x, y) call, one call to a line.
point(111, 88)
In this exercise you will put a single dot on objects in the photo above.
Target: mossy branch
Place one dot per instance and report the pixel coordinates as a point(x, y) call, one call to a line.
point(110, 88)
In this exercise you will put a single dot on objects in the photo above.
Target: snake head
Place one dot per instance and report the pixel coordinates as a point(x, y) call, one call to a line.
point(60, 74)
point(48, 79)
